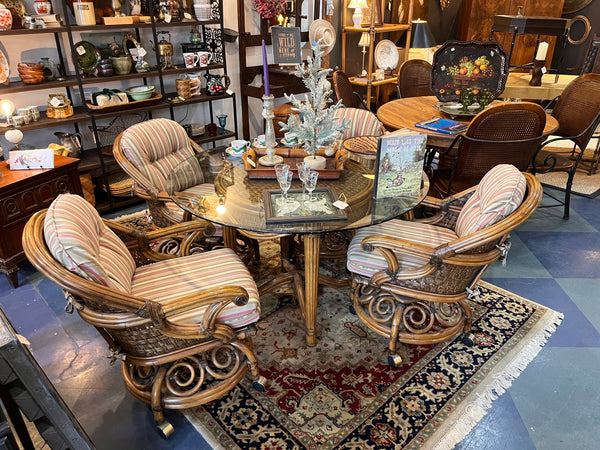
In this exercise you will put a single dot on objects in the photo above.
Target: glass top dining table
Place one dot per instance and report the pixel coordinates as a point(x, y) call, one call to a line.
point(237, 203)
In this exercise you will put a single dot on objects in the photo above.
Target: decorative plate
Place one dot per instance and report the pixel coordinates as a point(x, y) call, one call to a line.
point(86, 56)
point(455, 110)
point(4, 69)
point(477, 65)
point(386, 55)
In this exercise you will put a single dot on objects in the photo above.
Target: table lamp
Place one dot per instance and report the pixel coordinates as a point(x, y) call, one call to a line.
point(358, 6)
point(365, 41)
point(7, 107)
point(422, 41)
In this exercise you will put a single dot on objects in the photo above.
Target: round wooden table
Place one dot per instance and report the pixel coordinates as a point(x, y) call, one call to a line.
point(405, 112)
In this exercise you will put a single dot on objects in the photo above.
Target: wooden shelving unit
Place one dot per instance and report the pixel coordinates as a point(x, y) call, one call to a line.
point(376, 32)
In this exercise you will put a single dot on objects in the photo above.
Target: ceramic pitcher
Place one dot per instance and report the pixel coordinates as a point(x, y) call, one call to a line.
point(70, 140)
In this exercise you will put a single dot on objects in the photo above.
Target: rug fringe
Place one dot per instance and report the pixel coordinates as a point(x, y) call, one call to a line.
point(453, 432)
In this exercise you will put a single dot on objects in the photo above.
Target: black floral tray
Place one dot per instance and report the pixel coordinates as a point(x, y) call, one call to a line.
point(477, 65)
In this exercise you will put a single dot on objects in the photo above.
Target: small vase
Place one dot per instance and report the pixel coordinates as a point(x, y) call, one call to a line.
point(50, 70)
point(6, 18)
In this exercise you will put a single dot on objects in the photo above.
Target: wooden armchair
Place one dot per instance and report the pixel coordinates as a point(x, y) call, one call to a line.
point(345, 92)
point(414, 79)
point(411, 280)
point(180, 325)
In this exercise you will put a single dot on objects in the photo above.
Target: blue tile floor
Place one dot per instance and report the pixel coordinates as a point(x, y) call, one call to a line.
point(553, 404)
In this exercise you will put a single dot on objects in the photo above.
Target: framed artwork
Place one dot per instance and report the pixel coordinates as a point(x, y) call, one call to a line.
point(299, 209)
point(286, 45)
point(372, 5)
point(399, 165)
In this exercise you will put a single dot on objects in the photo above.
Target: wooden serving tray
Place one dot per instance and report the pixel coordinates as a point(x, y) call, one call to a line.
point(291, 156)
point(135, 104)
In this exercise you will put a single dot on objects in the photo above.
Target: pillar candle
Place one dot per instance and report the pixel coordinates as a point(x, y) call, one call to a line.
point(541, 52)
point(265, 69)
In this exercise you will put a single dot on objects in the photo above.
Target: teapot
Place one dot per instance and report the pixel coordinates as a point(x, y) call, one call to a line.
point(165, 50)
point(214, 85)
point(72, 141)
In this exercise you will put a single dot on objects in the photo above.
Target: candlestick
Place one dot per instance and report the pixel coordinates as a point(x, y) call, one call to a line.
point(537, 72)
point(271, 159)
point(265, 69)
point(541, 52)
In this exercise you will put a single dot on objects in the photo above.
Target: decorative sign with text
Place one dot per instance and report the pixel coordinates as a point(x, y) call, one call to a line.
point(286, 45)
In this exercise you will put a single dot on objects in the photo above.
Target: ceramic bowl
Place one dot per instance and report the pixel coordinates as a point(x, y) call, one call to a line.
point(140, 92)
point(121, 64)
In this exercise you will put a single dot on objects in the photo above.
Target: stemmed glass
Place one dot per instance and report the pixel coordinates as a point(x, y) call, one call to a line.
point(311, 183)
point(303, 169)
point(222, 121)
point(281, 169)
point(285, 181)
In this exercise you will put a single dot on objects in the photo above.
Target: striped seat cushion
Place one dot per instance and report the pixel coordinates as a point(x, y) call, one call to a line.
point(81, 242)
point(499, 193)
point(155, 147)
point(362, 122)
point(180, 277)
point(368, 263)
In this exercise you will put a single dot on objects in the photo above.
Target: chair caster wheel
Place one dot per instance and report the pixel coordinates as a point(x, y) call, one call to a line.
point(260, 384)
point(352, 309)
point(165, 428)
point(467, 339)
point(394, 360)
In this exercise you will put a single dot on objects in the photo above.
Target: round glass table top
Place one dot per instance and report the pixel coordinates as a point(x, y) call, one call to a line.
point(231, 198)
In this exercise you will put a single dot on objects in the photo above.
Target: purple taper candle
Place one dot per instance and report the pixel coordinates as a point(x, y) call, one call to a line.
point(265, 69)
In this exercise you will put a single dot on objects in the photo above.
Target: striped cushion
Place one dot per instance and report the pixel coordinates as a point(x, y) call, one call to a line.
point(367, 263)
point(499, 193)
point(79, 240)
point(179, 277)
point(155, 147)
point(362, 122)
point(198, 190)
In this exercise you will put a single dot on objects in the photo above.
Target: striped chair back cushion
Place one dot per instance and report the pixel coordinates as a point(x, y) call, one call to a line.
point(362, 122)
point(155, 147)
point(78, 238)
point(499, 194)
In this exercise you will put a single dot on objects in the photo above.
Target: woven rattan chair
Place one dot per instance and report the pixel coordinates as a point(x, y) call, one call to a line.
point(148, 152)
point(180, 325)
point(506, 133)
point(345, 92)
point(411, 280)
point(414, 77)
point(578, 113)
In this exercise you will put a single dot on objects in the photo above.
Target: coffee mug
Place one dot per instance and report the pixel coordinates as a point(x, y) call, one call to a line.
point(239, 145)
point(212, 129)
point(18, 121)
point(290, 138)
point(260, 140)
point(204, 58)
point(190, 59)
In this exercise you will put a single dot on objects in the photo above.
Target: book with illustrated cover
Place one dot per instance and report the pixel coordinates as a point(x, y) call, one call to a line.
point(399, 164)
point(446, 126)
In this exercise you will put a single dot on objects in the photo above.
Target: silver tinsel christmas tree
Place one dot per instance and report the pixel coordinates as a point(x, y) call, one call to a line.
point(313, 121)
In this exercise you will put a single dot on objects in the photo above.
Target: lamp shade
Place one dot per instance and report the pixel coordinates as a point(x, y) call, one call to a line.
point(353, 4)
point(365, 40)
point(421, 35)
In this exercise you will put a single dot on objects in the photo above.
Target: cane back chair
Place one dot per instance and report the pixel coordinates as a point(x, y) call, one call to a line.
point(414, 78)
point(578, 113)
point(180, 325)
point(411, 280)
point(506, 133)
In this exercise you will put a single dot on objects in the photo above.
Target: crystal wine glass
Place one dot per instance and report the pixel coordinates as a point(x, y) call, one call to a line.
point(311, 183)
point(303, 169)
point(281, 169)
point(285, 181)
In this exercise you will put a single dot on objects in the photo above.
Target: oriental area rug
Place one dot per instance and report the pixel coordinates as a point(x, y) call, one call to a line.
point(342, 394)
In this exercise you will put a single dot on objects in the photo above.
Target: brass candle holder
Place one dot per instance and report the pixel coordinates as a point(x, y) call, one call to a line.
point(537, 72)
point(270, 159)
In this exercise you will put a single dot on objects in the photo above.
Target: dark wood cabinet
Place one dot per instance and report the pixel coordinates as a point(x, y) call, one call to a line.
point(24, 192)
point(477, 17)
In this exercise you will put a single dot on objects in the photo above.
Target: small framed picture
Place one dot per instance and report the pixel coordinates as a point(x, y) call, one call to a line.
point(31, 159)
point(298, 208)
point(378, 19)
point(286, 45)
